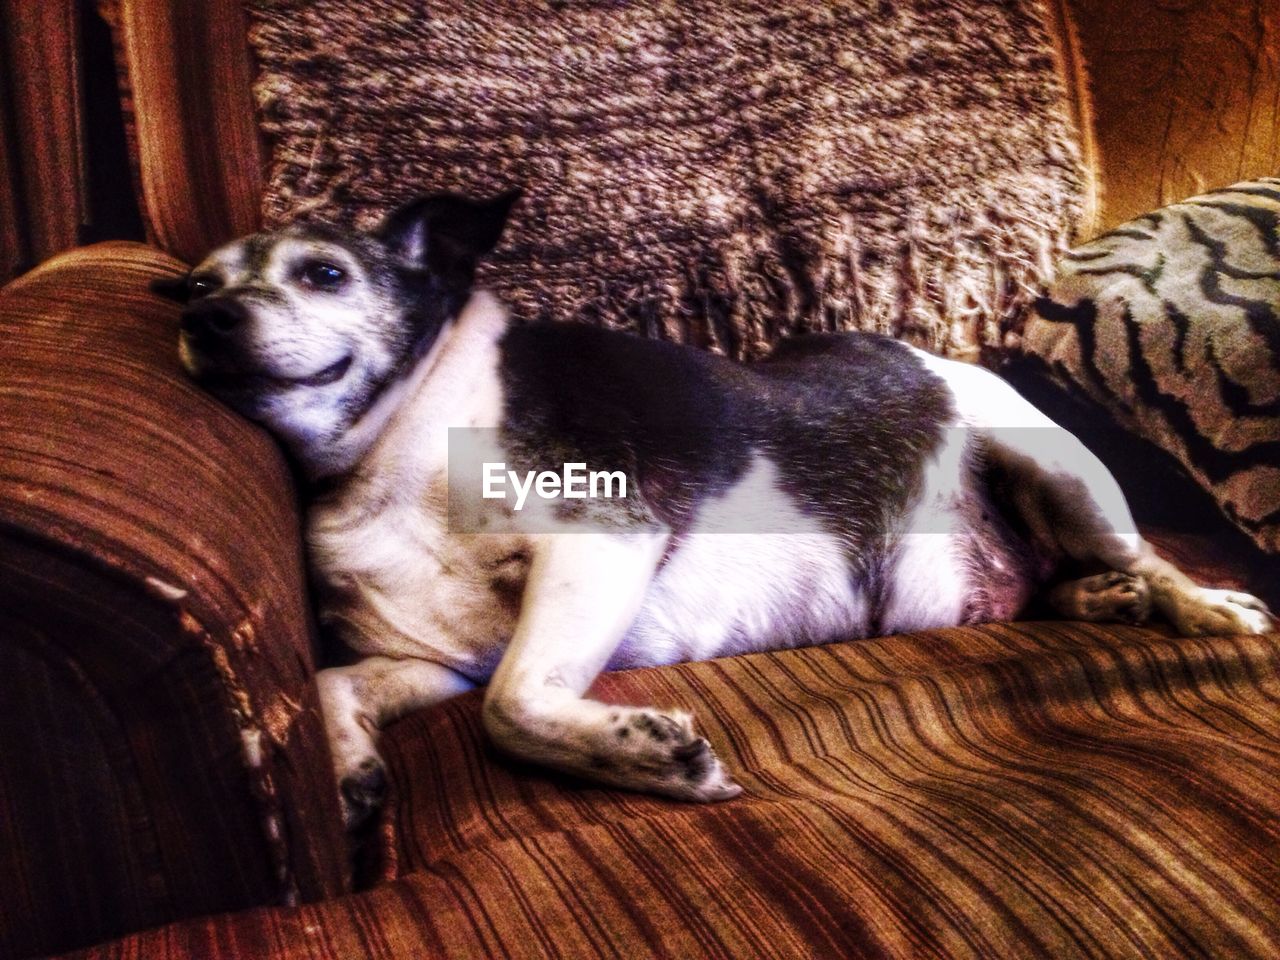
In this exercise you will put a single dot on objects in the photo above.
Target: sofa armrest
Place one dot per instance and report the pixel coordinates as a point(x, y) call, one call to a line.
point(162, 753)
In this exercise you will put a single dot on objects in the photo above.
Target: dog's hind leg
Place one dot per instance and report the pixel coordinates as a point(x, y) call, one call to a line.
point(1071, 503)
point(583, 592)
point(358, 701)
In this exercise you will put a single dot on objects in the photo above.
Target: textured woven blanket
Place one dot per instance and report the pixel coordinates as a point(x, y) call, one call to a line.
point(714, 173)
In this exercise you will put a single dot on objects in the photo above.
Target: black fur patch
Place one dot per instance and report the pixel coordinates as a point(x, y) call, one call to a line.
point(847, 419)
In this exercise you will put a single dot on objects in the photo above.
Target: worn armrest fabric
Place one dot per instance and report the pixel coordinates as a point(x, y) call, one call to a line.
point(161, 750)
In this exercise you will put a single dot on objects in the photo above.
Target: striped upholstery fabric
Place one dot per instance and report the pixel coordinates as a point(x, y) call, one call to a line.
point(1031, 790)
point(43, 165)
point(158, 720)
point(190, 121)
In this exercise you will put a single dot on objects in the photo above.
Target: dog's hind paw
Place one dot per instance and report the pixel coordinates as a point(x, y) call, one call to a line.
point(1118, 596)
point(362, 791)
point(1206, 612)
point(1105, 597)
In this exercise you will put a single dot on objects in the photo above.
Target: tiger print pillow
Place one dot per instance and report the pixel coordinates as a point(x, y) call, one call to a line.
point(1172, 322)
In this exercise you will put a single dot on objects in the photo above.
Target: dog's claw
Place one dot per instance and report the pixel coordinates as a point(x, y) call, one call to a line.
point(362, 792)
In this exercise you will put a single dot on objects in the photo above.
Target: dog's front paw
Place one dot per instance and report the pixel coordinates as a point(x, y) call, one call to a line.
point(361, 791)
point(662, 753)
point(701, 769)
point(1206, 612)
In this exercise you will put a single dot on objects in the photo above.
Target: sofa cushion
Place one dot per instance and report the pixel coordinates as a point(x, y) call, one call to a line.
point(1031, 790)
point(705, 172)
point(1172, 322)
point(1021, 790)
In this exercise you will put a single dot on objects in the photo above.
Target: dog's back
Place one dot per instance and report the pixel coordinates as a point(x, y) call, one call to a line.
point(846, 420)
point(826, 461)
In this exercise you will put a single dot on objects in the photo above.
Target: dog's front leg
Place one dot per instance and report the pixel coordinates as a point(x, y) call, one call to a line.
point(582, 594)
point(358, 701)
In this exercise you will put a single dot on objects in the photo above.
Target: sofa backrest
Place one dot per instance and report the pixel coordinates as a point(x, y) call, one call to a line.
point(187, 78)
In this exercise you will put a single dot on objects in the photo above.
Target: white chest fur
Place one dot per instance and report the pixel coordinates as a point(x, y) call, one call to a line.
point(393, 579)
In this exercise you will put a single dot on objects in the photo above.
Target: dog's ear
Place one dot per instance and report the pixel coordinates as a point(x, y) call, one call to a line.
point(445, 232)
point(177, 289)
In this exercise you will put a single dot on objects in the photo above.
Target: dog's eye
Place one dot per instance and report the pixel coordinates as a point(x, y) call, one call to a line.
point(323, 275)
point(202, 286)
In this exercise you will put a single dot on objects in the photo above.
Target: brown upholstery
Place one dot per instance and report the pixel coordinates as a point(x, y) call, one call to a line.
point(187, 71)
point(1029, 790)
point(42, 161)
point(158, 718)
point(1035, 790)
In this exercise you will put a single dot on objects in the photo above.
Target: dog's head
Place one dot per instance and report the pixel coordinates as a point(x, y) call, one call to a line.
point(301, 329)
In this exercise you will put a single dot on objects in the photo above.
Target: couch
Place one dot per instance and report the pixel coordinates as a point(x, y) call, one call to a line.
point(1032, 789)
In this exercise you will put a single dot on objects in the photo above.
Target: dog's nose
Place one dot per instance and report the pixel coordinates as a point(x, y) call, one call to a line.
point(214, 317)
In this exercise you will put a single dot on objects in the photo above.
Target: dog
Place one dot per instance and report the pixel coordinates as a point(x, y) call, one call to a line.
point(846, 486)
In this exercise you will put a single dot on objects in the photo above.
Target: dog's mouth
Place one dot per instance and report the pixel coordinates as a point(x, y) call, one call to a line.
point(258, 380)
point(330, 374)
